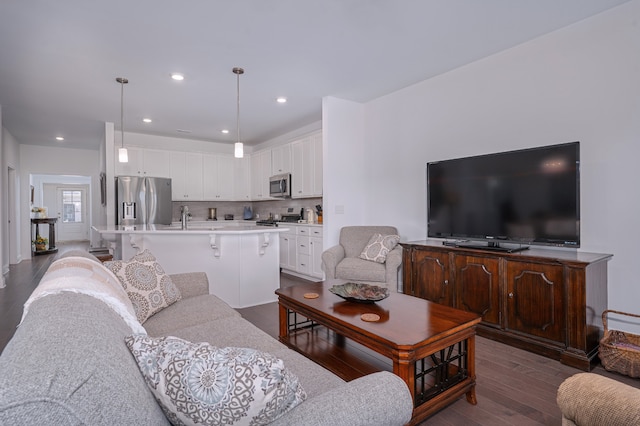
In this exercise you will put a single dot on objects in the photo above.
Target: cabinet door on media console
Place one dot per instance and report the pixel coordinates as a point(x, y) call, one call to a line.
point(535, 302)
point(477, 286)
point(430, 276)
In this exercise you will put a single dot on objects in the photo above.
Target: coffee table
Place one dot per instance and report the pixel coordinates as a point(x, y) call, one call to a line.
point(430, 346)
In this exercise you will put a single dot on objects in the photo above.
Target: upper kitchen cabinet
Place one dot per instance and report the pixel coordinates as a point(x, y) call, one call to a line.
point(144, 162)
point(218, 177)
point(186, 176)
point(242, 181)
point(281, 159)
point(260, 174)
point(306, 169)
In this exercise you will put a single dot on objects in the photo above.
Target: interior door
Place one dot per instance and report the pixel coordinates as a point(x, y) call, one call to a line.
point(71, 209)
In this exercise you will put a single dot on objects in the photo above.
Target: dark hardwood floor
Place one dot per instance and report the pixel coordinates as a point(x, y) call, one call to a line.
point(513, 386)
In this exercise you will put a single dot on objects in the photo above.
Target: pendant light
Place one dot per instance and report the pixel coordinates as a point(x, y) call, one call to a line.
point(238, 151)
point(123, 156)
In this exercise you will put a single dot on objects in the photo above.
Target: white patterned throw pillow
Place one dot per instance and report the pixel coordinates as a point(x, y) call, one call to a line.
point(379, 247)
point(148, 287)
point(200, 384)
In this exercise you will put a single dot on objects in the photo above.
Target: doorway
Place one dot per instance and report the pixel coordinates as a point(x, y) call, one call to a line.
point(69, 205)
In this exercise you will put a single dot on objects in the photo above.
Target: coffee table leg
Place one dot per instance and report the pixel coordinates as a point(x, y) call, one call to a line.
point(406, 371)
point(471, 366)
point(283, 314)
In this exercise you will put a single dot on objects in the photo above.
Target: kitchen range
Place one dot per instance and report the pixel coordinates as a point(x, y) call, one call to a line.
point(288, 216)
point(274, 220)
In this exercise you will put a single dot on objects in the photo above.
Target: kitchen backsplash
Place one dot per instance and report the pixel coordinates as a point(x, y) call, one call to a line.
point(261, 209)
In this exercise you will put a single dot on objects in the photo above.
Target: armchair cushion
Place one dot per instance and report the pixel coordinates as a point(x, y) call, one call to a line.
point(379, 247)
point(356, 269)
point(354, 238)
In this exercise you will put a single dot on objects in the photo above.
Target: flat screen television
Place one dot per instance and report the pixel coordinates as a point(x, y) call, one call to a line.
point(508, 200)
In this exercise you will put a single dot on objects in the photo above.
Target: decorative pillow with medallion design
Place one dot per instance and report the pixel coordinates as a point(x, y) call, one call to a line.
point(379, 247)
point(148, 287)
point(200, 384)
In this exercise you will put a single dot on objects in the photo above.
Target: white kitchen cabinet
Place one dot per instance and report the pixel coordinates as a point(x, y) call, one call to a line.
point(315, 252)
point(315, 256)
point(133, 167)
point(144, 162)
point(281, 159)
point(218, 172)
point(186, 176)
point(260, 173)
point(156, 163)
point(288, 249)
point(301, 251)
point(242, 182)
point(306, 167)
point(303, 265)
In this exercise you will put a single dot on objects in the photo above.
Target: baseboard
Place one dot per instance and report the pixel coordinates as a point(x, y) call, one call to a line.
point(303, 276)
point(94, 250)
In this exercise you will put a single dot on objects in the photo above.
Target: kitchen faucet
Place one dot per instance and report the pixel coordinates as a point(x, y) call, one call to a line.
point(184, 216)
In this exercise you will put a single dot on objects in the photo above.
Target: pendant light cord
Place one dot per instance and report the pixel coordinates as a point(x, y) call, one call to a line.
point(122, 82)
point(238, 105)
point(122, 112)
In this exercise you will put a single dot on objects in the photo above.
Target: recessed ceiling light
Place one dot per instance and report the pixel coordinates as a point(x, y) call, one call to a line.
point(147, 120)
point(177, 76)
point(225, 131)
point(59, 138)
point(281, 100)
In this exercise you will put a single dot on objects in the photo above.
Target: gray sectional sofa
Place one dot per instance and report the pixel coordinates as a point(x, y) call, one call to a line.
point(68, 364)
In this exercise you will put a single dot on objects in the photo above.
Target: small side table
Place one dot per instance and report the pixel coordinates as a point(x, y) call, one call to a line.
point(51, 221)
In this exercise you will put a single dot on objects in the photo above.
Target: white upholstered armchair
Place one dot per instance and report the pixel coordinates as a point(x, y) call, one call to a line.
point(343, 261)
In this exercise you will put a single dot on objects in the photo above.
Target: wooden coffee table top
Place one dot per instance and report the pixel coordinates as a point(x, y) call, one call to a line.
point(405, 321)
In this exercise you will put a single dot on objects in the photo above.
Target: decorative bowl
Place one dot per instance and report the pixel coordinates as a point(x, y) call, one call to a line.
point(361, 293)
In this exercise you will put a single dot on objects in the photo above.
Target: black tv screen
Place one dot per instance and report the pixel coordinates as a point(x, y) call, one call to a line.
point(529, 196)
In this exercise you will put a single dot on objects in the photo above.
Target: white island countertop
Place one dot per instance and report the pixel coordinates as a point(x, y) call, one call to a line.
point(241, 260)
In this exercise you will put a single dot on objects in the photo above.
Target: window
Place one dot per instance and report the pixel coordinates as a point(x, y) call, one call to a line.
point(72, 206)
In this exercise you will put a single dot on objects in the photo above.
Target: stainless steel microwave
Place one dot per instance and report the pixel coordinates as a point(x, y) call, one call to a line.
point(280, 186)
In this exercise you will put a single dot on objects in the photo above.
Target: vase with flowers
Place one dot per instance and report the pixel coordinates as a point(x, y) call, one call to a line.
point(40, 243)
point(39, 212)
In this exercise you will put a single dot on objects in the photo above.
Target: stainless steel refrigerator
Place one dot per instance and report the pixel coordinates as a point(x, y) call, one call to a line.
point(143, 200)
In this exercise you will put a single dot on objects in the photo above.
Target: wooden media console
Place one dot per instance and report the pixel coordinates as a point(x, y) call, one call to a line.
point(543, 300)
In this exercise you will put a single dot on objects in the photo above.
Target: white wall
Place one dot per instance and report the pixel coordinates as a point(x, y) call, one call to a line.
point(3, 229)
point(41, 160)
point(10, 194)
point(343, 167)
point(579, 83)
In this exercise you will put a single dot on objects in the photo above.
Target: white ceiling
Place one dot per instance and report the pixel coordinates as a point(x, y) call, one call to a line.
point(59, 59)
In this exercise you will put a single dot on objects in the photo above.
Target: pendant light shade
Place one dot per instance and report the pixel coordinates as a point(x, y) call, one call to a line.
point(238, 151)
point(123, 155)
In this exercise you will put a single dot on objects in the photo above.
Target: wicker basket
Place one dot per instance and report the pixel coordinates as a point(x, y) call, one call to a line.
point(620, 351)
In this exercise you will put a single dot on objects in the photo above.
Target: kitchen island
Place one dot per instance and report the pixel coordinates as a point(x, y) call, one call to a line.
point(241, 260)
